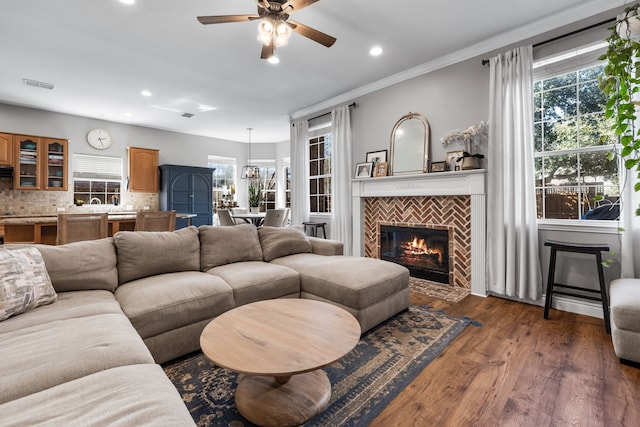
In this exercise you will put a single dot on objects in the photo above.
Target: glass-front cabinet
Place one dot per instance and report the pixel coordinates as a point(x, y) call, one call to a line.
point(40, 163)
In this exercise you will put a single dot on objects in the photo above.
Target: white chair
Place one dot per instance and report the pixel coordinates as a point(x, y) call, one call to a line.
point(240, 211)
point(274, 217)
point(224, 217)
point(287, 214)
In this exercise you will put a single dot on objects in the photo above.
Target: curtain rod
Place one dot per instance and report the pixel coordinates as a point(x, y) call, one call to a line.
point(352, 105)
point(608, 21)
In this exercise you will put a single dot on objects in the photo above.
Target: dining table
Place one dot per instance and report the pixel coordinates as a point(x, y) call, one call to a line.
point(252, 218)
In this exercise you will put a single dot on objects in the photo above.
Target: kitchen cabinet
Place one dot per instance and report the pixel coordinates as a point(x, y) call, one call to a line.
point(143, 170)
point(40, 163)
point(187, 190)
point(6, 149)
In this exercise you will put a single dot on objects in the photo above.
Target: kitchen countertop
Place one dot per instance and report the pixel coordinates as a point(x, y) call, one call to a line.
point(53, 219)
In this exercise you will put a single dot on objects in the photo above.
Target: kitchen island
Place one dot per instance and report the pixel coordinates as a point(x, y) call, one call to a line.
point(44, 229)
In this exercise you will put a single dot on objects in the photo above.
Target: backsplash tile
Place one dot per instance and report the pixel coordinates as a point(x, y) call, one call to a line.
point(14, 202)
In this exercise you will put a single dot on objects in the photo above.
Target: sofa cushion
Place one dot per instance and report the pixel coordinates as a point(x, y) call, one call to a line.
point(625, 304)
point(170, 301)
point(257, 280)
point(24, 282)
point(277, 242)
point(79, 266)
point(225, 245)
point(352, 281)
point(147, 253)
point(43, 356)
point(74, 304)
point(137, 395)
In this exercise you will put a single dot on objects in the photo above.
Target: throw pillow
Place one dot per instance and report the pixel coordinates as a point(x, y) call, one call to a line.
point(226, 245)
point(24, 282)
point(277, 242)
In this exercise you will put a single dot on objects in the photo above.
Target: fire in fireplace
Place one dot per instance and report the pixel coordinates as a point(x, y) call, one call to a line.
point(424, 251)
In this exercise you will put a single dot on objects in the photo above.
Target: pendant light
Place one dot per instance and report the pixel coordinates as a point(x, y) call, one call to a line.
point(250, 171)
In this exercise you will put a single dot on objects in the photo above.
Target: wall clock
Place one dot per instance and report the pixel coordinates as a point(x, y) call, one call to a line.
point(99, 138)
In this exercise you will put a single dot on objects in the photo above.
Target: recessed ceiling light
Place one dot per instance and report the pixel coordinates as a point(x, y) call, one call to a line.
point(128, 114)
point(127, 1)
point(375, 51)
point(274, 60)
point(145, 93)
point(204, 108)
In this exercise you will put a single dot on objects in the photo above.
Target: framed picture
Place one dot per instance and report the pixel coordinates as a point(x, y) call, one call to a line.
point(363, 170)
point(438, 166)
point(380, 169)
point(377, 156)
point(452, 159)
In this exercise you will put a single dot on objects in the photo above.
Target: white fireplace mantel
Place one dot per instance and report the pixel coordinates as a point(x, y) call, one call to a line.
point(470, 183)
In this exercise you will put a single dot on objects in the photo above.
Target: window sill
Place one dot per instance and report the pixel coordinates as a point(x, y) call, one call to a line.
point(582, 226)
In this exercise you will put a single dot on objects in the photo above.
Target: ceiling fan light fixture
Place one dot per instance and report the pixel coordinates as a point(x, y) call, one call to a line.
point(273, 60)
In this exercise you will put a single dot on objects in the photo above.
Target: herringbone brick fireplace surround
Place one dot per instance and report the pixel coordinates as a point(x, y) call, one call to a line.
point(455, 201)
point(452, 213)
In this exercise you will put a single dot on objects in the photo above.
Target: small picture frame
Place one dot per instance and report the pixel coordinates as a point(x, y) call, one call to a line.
point(452, 159)
point(363, 170)
point(377, 156)
point(438, 166)
point(380, 169)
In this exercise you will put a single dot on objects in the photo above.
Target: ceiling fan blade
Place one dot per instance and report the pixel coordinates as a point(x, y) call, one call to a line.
point(296, 5)
point(267, 51)
point(311, 33)
point(226, 18)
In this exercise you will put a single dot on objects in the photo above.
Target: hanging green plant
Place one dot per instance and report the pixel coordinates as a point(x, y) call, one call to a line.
point(621, 83)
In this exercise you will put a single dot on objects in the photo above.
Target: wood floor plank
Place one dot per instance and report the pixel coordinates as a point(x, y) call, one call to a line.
point(518, 369)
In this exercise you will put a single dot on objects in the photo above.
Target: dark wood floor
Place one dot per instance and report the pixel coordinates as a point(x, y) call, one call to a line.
point(520, 370)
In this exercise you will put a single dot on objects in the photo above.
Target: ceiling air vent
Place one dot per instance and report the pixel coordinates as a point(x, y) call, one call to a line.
point(187, 115)
point(41, 85)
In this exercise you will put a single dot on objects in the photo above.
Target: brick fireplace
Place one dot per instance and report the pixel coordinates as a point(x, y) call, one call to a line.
point(451, 201)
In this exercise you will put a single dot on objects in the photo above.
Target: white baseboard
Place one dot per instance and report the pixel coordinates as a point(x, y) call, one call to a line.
point(588, 308)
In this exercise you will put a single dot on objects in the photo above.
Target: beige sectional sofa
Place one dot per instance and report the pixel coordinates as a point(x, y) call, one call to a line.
point(127, 303)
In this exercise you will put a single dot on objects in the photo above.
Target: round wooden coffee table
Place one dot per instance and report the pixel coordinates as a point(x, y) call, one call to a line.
point(280, 345)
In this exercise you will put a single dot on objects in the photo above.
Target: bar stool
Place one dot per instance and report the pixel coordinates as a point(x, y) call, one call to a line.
point(583, 248)
point(314, 226)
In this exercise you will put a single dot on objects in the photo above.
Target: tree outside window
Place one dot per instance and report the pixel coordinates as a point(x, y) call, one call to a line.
point(572, 141)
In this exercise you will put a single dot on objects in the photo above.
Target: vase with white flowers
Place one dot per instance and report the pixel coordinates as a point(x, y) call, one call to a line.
point(474, 134)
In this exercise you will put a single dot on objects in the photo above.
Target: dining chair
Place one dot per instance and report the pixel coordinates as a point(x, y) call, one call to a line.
point(77, 227)
point(155, 221)
point(224, 217)
point(240, 211)
point(274, 217)
point(285, 219)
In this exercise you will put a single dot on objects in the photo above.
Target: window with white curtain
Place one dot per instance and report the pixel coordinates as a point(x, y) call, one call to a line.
point(97, 179)
point(575, 179)
point(320, 165)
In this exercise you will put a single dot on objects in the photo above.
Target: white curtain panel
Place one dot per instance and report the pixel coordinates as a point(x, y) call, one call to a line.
point(512, 248)
point(341, 211)
point(630, 248)
point(299, 200)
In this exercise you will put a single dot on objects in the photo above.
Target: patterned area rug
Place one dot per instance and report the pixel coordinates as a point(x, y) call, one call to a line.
point(438, 290)
point(363, 382)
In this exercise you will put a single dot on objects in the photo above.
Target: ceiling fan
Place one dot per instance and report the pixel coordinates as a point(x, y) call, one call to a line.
point(275, 26)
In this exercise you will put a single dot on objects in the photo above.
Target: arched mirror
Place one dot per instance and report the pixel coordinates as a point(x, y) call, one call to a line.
point(410, 145)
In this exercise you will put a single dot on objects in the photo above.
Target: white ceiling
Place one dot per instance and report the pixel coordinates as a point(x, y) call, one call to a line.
point(101, 54)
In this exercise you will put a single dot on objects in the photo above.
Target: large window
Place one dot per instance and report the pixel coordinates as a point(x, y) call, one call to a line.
point(224, 188)
point(267, 183)
point(574, 178)
point(287, 182)
point(320, 151)
point(96, 179)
